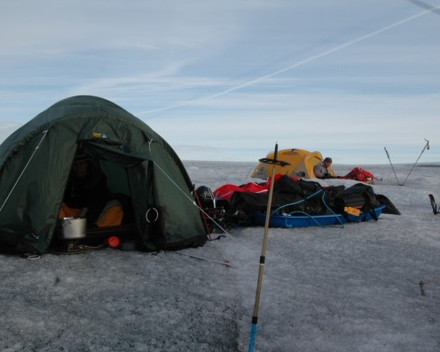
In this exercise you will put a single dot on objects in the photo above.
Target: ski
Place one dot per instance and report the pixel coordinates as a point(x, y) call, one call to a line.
point(435, 208)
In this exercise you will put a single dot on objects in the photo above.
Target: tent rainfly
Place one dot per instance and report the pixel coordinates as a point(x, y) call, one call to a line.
point(300, 164)
point(35, 163)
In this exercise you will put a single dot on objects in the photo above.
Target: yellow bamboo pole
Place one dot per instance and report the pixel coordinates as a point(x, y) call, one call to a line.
point(274, 162)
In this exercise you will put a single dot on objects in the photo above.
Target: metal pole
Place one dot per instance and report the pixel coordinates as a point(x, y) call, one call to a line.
point(426, 147)
point(388, 155)
point(274, 162)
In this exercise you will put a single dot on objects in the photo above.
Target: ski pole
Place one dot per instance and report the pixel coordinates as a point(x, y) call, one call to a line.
point(274, 162)
point(388, 155)
point(426, 147)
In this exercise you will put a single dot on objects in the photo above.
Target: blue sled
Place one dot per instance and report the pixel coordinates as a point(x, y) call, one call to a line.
point(304, 220)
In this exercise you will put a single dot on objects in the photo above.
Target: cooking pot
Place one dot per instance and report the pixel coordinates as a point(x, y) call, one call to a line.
point(72, 228)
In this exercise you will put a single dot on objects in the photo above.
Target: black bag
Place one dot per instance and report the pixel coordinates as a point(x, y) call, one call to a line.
point(360, 196)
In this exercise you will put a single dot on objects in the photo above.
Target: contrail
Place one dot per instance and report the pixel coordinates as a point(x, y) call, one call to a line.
point(435, 9)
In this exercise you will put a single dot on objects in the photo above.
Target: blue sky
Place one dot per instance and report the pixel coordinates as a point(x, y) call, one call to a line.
point(226, 80)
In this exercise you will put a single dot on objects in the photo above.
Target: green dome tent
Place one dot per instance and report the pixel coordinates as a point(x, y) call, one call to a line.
point(35, 162)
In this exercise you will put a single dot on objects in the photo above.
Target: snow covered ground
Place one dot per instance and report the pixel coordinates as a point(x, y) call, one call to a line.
point(351, 288)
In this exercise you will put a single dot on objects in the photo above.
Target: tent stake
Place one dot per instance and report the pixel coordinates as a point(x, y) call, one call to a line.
point(422, 288)
point(274, 162)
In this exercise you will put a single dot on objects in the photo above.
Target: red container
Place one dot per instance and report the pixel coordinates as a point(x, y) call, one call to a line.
point(112, 241)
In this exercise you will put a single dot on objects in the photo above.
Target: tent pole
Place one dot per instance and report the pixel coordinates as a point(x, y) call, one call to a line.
point(274, 162)
point(22, 172)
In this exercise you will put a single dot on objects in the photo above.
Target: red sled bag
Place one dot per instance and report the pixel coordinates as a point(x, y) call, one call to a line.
point(359, 174)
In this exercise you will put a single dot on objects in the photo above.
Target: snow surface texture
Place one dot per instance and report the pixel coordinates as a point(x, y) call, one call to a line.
point(351, 288)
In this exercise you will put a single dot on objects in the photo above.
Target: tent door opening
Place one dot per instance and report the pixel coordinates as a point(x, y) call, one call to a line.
point(108, 207)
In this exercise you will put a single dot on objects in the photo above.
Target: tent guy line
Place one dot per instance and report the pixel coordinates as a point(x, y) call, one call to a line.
point(24, 169)
point(297, 64)
point(192, 201)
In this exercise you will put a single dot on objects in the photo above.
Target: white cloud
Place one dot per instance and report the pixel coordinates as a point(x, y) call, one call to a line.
point(316, 74)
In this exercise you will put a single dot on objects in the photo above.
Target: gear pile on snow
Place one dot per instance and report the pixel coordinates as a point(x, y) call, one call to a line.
point(239, 203)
